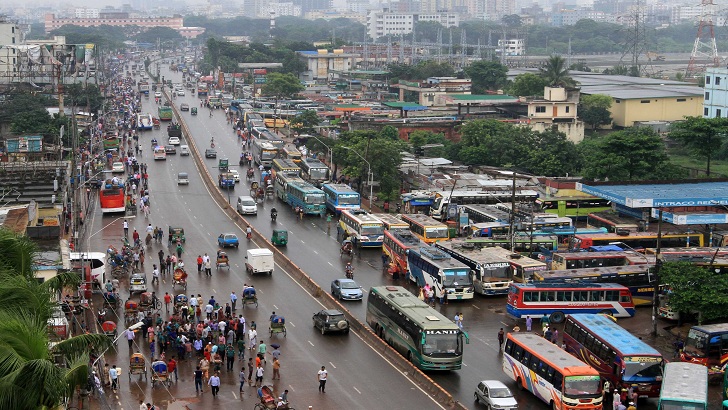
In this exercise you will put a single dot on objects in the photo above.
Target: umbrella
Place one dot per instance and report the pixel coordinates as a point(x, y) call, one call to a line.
point(275, 345)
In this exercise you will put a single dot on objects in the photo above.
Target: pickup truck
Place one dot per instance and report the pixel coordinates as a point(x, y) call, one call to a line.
point(227, 239)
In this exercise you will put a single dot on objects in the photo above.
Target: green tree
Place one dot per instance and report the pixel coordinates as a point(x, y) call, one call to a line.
point(552, 154)
point(696, 289)
point(703, 137)
point(555, 73)
point(512, 20)
point(527, 85)
point(305, 122)
point(594, 110)
point(420, 137)
point(487, 75)
point(282, 85)
point(494, 143)
point(630, 154)
point(29, 375)
point(154, 34)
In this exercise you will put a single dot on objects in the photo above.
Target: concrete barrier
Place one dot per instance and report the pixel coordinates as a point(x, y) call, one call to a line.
point(363, 330)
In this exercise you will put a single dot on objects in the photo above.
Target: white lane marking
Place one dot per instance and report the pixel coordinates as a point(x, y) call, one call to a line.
point(315, 252)
point(330, 263)
point(332, 365)
point(475, 307)
point(309, 342)
point(357, 390)
point(234, 395)
point(275, 307)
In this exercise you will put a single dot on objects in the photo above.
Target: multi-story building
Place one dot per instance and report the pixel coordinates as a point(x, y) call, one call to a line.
point(122, 19)
point(284, 9)
point(495, 10)
point(383, 23)
point(10, 32)
point(511, 47)
point(715, 104)
point(320, 64)
point(86, 13)
point(313, 5)
point(557, 110)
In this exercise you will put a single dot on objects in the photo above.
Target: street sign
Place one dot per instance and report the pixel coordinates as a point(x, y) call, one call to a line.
point(260, 80)
point(260, 71)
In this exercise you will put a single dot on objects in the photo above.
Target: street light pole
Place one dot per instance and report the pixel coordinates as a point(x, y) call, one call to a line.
point(331, 150)
point(370, 175)
point(135, 326)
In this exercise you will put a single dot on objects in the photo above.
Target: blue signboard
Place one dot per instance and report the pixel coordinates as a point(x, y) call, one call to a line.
point(662, 195)
point(691, 219)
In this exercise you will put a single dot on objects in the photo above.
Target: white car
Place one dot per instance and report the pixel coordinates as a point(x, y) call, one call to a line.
point(117, 167)
point(236, 174)
point(247, 206)
point(495, 395)
point(173, 141)
point(158, 94)
point(180, 93)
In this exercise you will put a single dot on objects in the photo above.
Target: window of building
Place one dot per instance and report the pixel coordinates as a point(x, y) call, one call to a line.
point(644, 101)
point(707, 79)
point(718, 113)
point(541, 108)
point(681, 100)
point(707, 95)
point(705, 112)
point(717, 80)
point(567, 109)
point(618, 101)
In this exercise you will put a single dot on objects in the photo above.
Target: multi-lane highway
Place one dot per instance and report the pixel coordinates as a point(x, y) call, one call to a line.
point(358, 375)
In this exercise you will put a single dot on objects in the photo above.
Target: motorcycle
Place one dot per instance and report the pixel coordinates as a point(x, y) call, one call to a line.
point(350, 273)
point(249, 235)
point(273, 215)
point(101, 315)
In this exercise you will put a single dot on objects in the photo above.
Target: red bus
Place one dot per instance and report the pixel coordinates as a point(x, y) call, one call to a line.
point(395, 246)
point(111, 197)
point(620, 357)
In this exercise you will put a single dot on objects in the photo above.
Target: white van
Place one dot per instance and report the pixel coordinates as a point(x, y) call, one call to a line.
point(184, 150)
point(183, 178)
point(247, 206)
point(259, 261)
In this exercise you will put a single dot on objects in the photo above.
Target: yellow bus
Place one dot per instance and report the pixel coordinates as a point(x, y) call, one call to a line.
point(391, 222)
point(292, 154)
point(429, 230)
point(285, 167)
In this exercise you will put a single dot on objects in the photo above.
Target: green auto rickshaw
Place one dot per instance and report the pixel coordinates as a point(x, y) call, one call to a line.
point(280, 237)
point(176, 234)
point(193, 111)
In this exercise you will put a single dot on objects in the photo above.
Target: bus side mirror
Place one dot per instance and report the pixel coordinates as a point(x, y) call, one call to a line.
point(467, 338)
point(422, 339)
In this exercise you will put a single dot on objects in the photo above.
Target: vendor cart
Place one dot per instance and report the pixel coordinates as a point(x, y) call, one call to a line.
point(179, 278)
point(137, 365)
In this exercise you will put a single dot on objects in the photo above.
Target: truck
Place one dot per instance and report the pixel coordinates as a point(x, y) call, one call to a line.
point(201, 89)
point(226, 180)
point(165, 113)
point(143, 87)
point(259, 261)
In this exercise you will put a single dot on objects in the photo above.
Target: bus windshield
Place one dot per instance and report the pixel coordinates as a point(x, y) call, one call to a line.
point(696, 343)
point(315, 199)
point(441, 345)
point(268, 155)
point(641, 369)
point(319, 173)
point(577, 386)
point(460, 277)
point(372, 230)
point(348, 199)
point(436, 232)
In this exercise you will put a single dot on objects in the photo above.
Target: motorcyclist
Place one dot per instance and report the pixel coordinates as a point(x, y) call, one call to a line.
point(273, 214)
point(249, 232)
point(349, 270)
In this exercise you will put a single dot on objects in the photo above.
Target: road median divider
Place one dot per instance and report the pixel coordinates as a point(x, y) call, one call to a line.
point(439, 394)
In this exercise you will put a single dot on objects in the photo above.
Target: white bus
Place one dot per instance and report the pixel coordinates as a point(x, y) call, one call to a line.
point(492, 272)
point(684, 387)
point(364, 229)
point(428, 265)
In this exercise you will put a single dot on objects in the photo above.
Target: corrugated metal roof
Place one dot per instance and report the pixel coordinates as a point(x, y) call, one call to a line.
point(662, 195)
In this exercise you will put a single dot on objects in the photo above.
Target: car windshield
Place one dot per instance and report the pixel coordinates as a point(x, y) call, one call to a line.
point(349, 285)
point(230, 237)
point(445, 345)
point(248, 203)
point(500, 393)
point(576, 386)
point(641, 369)
point(335, 318)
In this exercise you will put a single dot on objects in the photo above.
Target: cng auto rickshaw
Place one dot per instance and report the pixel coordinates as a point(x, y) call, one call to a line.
point(176, 234)
point(193, 110)
point(280, 237)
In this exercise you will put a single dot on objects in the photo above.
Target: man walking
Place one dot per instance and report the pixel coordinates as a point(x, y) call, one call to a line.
point(250, 370)
point(199, 263)
point(241, 376)
point(233, 299)
point(259, 375)
point(323, 375)
point(126, 229)
point(130, 337)
point(114, 376)
point(214, 383)
point(501, 335)
point(276, 369)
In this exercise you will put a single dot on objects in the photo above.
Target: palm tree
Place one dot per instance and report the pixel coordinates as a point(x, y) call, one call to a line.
point(555, 72)
point(34, 373)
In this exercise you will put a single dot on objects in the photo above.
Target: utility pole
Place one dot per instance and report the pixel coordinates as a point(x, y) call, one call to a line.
point(658, 265)
point(512, 219)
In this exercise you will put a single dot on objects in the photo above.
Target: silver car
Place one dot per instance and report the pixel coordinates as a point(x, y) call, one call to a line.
point(495, 395)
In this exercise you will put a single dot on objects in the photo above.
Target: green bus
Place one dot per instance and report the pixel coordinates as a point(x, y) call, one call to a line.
point(684, 387)
point(574, 207)
point(523, 244)
point(420, 333)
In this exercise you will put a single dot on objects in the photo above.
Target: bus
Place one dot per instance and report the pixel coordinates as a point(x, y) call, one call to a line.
point(621, 358)
point(112, 197)
point(449, 278)
point(574, 207)
point(637, 278)
point(480, 213)
point(524, 245)
point(559, 299)
point(264, 153)
point(636, 240)
point(396, 244)
point(707, 345)
point(201, 89)
point(523, 267)
point(438, 209)
point(285, 167)
point(391, 222)
point(427, 229)
point(612, 222)
point(684, 387)
point(279, 185)
point(489, 229)
point(307, 196)
point(314, 171)
point(692, 252)
point(492, 272)
point(583, 260)
point(364, 229)
point(561, 233)
point(557, 378)
point(418, 332)
point(542, 222)
point(292, 154)
point(340, 197)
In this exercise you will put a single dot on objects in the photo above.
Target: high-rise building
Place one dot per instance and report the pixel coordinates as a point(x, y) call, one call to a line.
point(495, 10)
point(383, 23)
point(86, 13)
point(313, 5)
